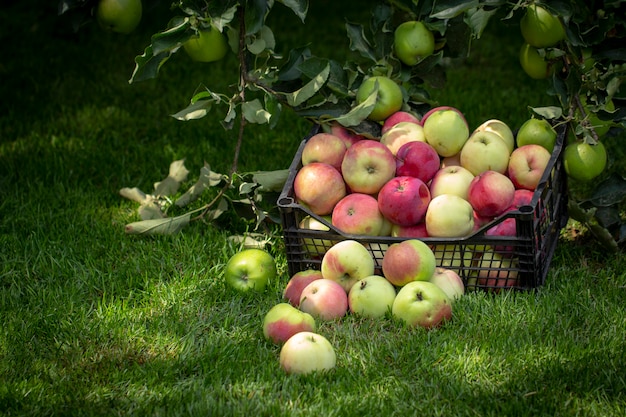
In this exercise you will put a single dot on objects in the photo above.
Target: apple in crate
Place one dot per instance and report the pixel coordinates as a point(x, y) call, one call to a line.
point(346, 262)
point(371, 297)
point(401, 134)
point(497, 271)
point(307, 352)
point(491, 193)
point(506, 228)
point(485, 151)
point(522, 198)
point(313, 246)
point(297, 283)
point(404, 200)
point(284, 320)
point(453, 257)
point(413, 231)
point(417, 159)
point(324, 147)
point(501, 129)
point(446, 130)
point(324, 299)
point(451, 180)
point(449, 281)
point(250, 270)
point(449, 215)
point(409, 260)
point(367, 166)
point(423, 304)
point(398, 117)
point(319, 186)
point(527, 165)
point(348, 137)
point(358, 214)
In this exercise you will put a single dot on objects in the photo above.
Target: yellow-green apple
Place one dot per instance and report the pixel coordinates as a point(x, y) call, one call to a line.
point(417, 159)
point(445, 128)
point(386, 229)
point(540, 28)
point(319, 186)
point(402, 133)
point(413, 231)
point(307, 352)
point(371, 297)
point(450, 282)
point(358, 214)
point(367, 165)
point(449, 215)
point(398, 117)
point(409, 260)
point(388, 99)
point(491, 193)
point(210, 45)
point(533, 64)
point(324, 147)
point(453, 257)
point(501, 129)
point(297, 283)
point(423, 304)
point(485, 151)
point(453, 180)
point(496, 271)
point(250, 270)
point(324, 299)
point(404, 200)
point(584, 161)
point(315, 246)
point(527, 165)
point(284, 320)
point(344, 134)
point(537, 131)
point(412, 42)
point(121, 16)
point(347, 262)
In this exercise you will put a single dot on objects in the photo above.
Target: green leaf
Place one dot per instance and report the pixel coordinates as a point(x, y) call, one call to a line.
point(609, 192)
point(452, 8)
point(147, 65)
point(194, 111)
point(477, 19)
point(273, 106)
point(299, 7)
point(291, 70)
point(298, 97)
point(358, 41)
point(133, 194)
point(177, 174)
point(254, 112)
point(359, 112)
point(206, 180)
point(166, 226)
point(149, 210)
point(255, 15)
point(271, 180)
point(549, 112)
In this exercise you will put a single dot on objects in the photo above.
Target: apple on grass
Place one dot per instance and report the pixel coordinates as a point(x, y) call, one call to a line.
point(450, 282)
point(453, 180)
point(358, 214)
point(402, 133)
point(347, 262)
point(404, 200)
point(398, 117)
point(527, 165)
point(371, 297)
point(324, 147)
point(284, 320)
point(485, 151)
point(501, 129)
point(324, 299)
point(367, 166)
point(307, 352)
point(417, 159)
point(446, 130)
point(319, 186)
point(250, 270)
point(422, 304)
point(449, 215)
point(409, 260)
point(297, 283)
point(491, 193)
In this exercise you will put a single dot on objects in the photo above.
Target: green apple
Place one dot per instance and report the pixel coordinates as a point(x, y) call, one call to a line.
point(485, 151)
point(388, 101)
point(584, 161)
point(210, 45)
point(446, 130)
point(284, 320)
point(347, 262)
point(452, 179)
point(501, 129)
point(533, 64)
point(121, 16)
point(540, 28)
point(412, 42)
point(407, 261)
point(449, 215)
point(307, 352)
point(250, 270)
point(537, 131)
point(371, 297)
point(422, 303)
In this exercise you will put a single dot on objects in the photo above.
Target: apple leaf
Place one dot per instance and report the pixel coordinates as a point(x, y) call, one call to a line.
point(291, 69)
point(298, 97)
point(359, 112)
point(452, 8)
point(271, 180)
point(166, 226)
point(549, 112)
point(194, 111)
point(206, 180)
point(254, 112)
point(609, 192)
point(358, 41)
point(255, 15)
point(134, 194)
point(477, 19)
point(177, 174)
point(299, 7)
point(149, 210)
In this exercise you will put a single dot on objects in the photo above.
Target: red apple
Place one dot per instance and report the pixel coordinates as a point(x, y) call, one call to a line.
point(348, 137)
point(319, 186)
point(404, 200)
point(527, 164)
point(398, 117)
point(506, 228)
point(496, 271)
point(417, 159)
point(522, 198)
point(346, 262)
point(491, 193)
point(409, 260)
point(324, 147)
point(367, 165)
point(284, 320)
point(358, 214)
point(298, 281)
point(449, 281)
point(325, 299)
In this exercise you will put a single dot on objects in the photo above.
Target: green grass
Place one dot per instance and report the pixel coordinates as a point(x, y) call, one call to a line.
point(96, 322)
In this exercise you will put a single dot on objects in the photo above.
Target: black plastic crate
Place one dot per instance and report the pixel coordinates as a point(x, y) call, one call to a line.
point(522, 262)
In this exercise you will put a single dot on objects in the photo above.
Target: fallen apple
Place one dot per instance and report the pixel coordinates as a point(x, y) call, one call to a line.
point(307, 352)
point(284, 320)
